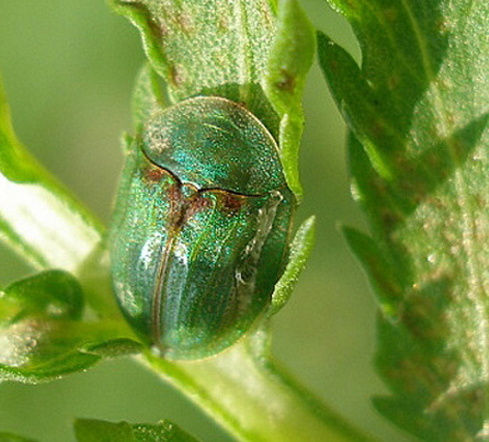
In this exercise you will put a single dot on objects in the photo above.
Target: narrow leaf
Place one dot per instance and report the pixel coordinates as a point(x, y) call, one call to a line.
point(91, 430)
point(381, 273)
point(417, 109)
point(289, 61)
point(37, 349)
point(300, 250)
point(54, 293)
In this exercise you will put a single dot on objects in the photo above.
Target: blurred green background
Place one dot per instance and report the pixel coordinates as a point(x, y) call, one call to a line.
point(68, 68)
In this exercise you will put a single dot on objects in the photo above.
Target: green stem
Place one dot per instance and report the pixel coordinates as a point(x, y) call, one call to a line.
point(253, 399)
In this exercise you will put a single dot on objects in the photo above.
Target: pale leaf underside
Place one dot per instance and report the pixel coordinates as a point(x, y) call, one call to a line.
point(418, 110)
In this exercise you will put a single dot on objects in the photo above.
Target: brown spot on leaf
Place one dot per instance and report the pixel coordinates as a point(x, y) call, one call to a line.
point(184, 22)
point(287, 81)
point(390, 14)
point(176, 75)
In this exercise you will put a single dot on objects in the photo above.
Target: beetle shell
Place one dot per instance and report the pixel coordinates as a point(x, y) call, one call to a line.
point(201, 227)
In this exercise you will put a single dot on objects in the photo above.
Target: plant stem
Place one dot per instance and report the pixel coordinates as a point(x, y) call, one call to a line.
point(254, 400)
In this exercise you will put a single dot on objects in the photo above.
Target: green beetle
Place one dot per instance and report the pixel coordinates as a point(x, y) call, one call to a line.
point(201, 227)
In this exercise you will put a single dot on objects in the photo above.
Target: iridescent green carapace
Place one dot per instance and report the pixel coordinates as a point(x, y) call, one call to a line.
point(201, 227)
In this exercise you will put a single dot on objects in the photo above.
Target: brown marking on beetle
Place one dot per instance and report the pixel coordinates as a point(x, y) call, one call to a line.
point(231, 202)
point(195, 204)
point(177, 209)
point(154, 174)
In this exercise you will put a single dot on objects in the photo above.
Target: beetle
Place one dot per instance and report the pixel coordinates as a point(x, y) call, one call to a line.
point(201, 227)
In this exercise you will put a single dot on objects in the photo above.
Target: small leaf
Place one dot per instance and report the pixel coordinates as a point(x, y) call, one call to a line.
point(113, 348)
point(91, 430)
point(37, 349)
point(39, 218)
point(42, 335)
point(357, 101)
point(300, 250)
point(290, 59)
point(34, 350)
point(53, 293)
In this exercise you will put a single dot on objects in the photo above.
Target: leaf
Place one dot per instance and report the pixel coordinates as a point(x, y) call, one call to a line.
point(112, 348)
point(417, 109)
point(239, 50)
point(42, 335)
point(381, 273)
point(54, 293)
point(289, 61)
point(38, 350)
point(300, 250)
point(91, 430)
point(40, 219)
point(208, 48)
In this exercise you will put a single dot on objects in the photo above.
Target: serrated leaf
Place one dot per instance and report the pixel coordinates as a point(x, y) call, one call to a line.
point(40, 219)
point(91, 430)
point(300, 250)
point(380, 272)
point(418, 111)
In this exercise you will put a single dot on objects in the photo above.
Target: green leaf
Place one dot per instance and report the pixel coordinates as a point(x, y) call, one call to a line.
point(208, 48)
point(9, 437)
point(239, 50)
point(112, 348)
point(300, 250)
point(39, 218)
point(417, 109)
point(289, 61)
point(55, 293)
point(37, 349)
point(91, 430)
point(379, 270)
point(42, 335)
